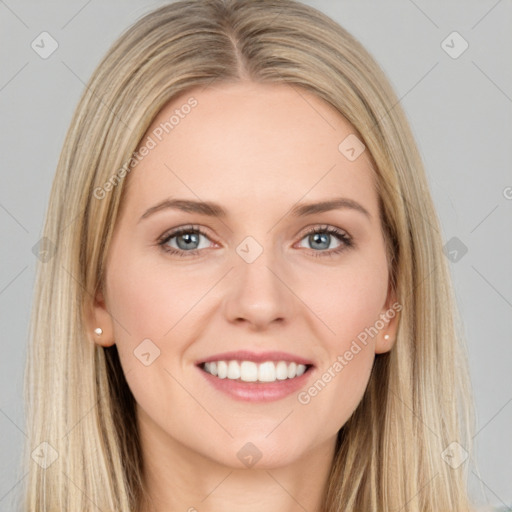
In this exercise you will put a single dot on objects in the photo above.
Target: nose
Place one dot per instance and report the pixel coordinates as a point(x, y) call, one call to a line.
point(258, 294)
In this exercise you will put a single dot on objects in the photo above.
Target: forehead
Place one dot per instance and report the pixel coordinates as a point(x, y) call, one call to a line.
point(247, 140)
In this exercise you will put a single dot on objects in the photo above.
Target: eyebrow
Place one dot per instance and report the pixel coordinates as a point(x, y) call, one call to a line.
point(214, 210)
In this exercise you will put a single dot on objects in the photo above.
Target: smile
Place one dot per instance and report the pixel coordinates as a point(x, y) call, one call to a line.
point(250, 371)
point(256, 376)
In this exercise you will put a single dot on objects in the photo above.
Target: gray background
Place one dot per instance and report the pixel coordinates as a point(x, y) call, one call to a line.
point(461, 114)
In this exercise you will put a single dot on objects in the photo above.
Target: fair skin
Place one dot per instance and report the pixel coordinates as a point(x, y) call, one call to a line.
point(257, 151)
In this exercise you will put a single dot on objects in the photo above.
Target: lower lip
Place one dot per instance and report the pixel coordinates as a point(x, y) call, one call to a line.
point(257, 391)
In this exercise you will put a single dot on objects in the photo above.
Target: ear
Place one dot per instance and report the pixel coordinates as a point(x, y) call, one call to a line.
point(390, 316)
point(98, 316)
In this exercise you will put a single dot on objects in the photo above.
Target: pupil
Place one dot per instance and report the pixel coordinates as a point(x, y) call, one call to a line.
point(322, 239)
point(189, 238)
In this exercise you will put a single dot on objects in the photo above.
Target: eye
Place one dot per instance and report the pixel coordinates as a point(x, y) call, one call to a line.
point(320, 238)
point(186, 241)
point(183, 241)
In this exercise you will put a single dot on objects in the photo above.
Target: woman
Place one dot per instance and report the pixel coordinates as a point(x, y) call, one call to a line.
point(248, 307)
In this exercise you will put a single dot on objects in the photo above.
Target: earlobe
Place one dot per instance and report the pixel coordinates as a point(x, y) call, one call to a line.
point(386, 337)
point(99, 323)
point(384, 344)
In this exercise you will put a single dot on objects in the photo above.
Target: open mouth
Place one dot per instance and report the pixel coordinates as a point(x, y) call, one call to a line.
point(250, 371)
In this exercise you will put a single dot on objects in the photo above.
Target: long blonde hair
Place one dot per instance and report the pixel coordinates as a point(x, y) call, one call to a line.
point(390, 455)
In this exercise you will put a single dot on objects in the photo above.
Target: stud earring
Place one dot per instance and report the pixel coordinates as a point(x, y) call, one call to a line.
point(386, 337)
point(98, 331)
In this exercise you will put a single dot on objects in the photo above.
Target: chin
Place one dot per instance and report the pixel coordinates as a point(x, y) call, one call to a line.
point(260, 452)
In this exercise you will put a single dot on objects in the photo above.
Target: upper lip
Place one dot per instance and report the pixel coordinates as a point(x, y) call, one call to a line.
point(257, 357)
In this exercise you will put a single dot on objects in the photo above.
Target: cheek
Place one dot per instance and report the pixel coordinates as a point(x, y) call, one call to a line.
point(349, 302)
point(148, 301)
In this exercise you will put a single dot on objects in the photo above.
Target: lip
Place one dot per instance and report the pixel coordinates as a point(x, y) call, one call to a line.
point(260, 357)
point(257, 391)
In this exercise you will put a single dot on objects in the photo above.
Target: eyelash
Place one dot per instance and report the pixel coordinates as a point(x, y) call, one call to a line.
point(346, 240)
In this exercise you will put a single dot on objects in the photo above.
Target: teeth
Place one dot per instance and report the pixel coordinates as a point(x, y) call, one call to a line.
point(281, 370)
point(292, 370)
point(249, 371)
point(222, 369)
point(267, 372)
point(233, 370)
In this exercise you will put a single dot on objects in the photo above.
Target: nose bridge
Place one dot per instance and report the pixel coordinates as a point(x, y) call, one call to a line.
point(256, 293)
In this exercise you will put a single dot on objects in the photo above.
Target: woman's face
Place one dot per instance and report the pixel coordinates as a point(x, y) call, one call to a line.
point(246, 282)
